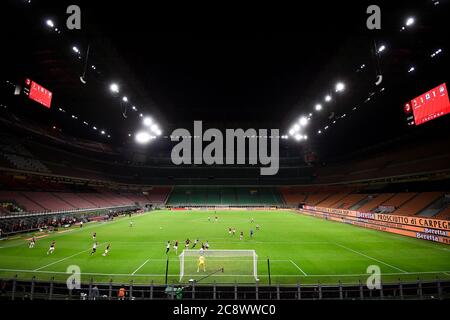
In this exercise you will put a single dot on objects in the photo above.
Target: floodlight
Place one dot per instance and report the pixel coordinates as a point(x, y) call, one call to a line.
point(148, 121)
point(114, 87)
point(340, 87)
point(143, 137)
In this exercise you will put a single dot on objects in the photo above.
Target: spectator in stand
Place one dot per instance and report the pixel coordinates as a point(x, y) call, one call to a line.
point(95, 293)
point(121, 293)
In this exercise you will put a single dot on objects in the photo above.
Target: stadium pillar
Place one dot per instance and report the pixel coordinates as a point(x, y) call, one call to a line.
point(13, 293)
point(320, 290)
point(50, 294)
point(400, 288)
point(419, 289)
point(381, 291)
point(214, 290)
point(235, 291)
point(131, 290)
point(299, 291)
point(151, 290)
point(439, 288)
point(278, 291)
point(268, 271)
point(110, 289)
point(32, 288)
point(361, 292)
point(90, 288)
point(167, 268)
point(193, 290)
point(340, 290)
point(172, 292)
point(256, 291)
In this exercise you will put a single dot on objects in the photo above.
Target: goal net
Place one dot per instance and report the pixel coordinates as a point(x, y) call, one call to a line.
point(221, 266)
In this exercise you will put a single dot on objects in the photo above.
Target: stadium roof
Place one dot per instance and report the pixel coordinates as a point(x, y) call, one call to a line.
point(179, 68)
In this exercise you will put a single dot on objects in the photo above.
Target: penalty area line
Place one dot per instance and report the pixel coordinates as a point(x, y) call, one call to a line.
point(63, 259)
point(140, 267)
point(304, 273)
point(372, 258)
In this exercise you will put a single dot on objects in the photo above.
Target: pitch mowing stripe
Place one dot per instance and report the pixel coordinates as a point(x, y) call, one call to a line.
point(140, 267)
point(63, 259)
point(77, 229)
point(372, 258)
point(232, 275)
point(298, 267)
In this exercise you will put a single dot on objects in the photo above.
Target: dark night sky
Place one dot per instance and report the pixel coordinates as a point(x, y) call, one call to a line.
point(231, 67)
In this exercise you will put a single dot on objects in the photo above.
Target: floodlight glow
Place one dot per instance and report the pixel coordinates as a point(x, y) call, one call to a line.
point(148, 121)
point(340, 87)
point(382, 48)
point(50, 23)
point(438, 51)
point(298, 137)
point(141, 115)
point(328, 98)
point(154, 127)
point(318, 107)
point(411, 69)
point(134, 108)
point(125, 99)
point(143, 137)
point(103, 132)
point(296, 127)
point(291, 132)
point(319, 132)
point(75, 49)
point(95, 128)
point(114, 87)
point(410, 21)
point(303, 121)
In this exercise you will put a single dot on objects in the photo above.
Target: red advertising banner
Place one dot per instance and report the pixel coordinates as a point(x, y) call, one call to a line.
point(407, 220)
point(416, 227)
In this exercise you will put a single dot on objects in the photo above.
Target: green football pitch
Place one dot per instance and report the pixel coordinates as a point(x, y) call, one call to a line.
point(300, 249)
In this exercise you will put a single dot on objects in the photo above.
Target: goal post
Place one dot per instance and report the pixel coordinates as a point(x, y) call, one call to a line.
point(237, 266)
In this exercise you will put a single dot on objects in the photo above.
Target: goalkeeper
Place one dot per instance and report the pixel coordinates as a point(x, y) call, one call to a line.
point(201, 264)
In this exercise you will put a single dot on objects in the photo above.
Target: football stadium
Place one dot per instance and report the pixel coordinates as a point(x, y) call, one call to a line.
point(141, 164)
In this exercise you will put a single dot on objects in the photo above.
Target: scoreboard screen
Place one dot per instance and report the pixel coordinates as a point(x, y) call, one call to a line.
point(38, 93)
point(428, 106)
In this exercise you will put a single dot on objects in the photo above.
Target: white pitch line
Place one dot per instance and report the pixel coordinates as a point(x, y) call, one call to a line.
point(298, 267)
point(230, 275)
point(369, 257)
point(77, 229)
point(140, 267)
point(61, 260)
